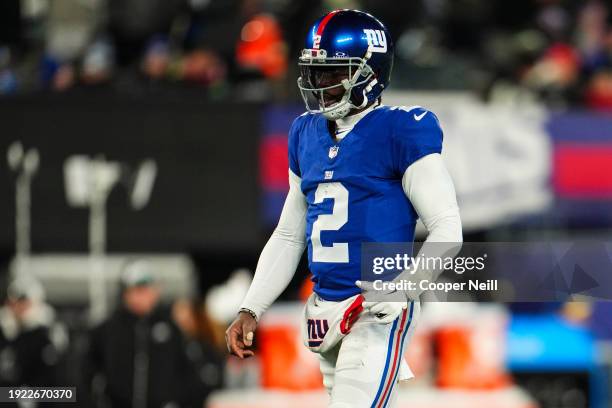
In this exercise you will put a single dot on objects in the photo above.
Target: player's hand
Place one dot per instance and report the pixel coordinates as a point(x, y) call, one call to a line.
point(240, 334)
point(384, 312)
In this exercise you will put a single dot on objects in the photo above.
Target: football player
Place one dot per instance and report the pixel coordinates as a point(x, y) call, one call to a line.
point(359, 172)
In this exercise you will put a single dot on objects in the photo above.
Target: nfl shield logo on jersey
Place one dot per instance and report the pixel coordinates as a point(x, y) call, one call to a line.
point(333, 151)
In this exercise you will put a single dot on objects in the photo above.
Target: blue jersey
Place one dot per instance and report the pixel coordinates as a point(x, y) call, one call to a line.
point(354, 188)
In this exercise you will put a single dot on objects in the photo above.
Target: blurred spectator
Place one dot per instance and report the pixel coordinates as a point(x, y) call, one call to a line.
point(599, 91)
point(214, 25)
point(71, 28)
point(133, 23)
point(203, 67)
point(98, 62)
point(138, 356)
point(205, 344)
point(558, 52)
point(592, 35)
point(10, 37)
point(10, 22)
point(31, 340)
point(261, 47)
point(555, 74)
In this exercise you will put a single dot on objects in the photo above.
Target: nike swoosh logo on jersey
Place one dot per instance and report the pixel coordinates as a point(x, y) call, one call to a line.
point(419, 117)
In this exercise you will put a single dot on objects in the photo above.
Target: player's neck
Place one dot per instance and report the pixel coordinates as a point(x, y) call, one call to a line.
point(351, 120)
point(344, 125)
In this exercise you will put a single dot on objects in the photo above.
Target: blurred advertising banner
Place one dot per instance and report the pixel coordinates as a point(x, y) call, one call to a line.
point(582, 159)
point(273, 159)
point(499, 157)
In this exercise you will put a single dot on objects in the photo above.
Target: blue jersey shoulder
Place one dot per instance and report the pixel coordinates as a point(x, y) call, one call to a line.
point(295, 130)
point(415, 133)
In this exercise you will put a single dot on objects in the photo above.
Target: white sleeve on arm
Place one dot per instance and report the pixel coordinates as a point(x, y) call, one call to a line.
point(281, 255)
point(430, 189)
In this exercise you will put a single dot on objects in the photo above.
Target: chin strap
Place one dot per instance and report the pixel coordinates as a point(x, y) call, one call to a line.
point(365, 91)
point(369, 86)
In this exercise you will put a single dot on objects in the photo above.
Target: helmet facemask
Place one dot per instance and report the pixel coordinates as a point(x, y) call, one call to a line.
point(327, 84)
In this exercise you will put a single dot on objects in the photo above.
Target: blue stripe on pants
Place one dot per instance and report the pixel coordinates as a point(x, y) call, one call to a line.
point(389, 353)
point(401, 355)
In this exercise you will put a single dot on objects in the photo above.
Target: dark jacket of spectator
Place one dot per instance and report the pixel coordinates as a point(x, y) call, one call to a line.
point(28, 354)
point(144, 363)
point(32, 341)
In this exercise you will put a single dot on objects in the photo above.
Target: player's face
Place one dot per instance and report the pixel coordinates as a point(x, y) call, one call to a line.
point(331, 78)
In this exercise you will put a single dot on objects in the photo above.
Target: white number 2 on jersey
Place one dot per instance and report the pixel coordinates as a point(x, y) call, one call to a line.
point(338, 252)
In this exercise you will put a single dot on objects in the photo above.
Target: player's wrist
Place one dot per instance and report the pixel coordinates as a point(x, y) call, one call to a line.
point(249, 312)
point(413, 292)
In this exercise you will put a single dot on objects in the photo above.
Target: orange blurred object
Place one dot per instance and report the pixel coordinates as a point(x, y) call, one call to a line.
point(598, 94)
point(470, 359)
point(559, 67)
point(285, 362)
point(306, 289)
point(262, 47)
point(419, 356)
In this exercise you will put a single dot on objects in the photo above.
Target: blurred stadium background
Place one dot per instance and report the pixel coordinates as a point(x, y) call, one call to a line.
point(145, 146)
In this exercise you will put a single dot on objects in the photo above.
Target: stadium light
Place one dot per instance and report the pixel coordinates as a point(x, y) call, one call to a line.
point(88, 183)
point(142, 187)
point(25, 164)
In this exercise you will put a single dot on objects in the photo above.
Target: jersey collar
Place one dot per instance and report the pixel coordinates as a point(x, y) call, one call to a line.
point(346, 124)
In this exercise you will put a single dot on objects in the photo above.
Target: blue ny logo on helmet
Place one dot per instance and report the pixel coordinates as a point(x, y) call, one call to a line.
point(346, 64)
